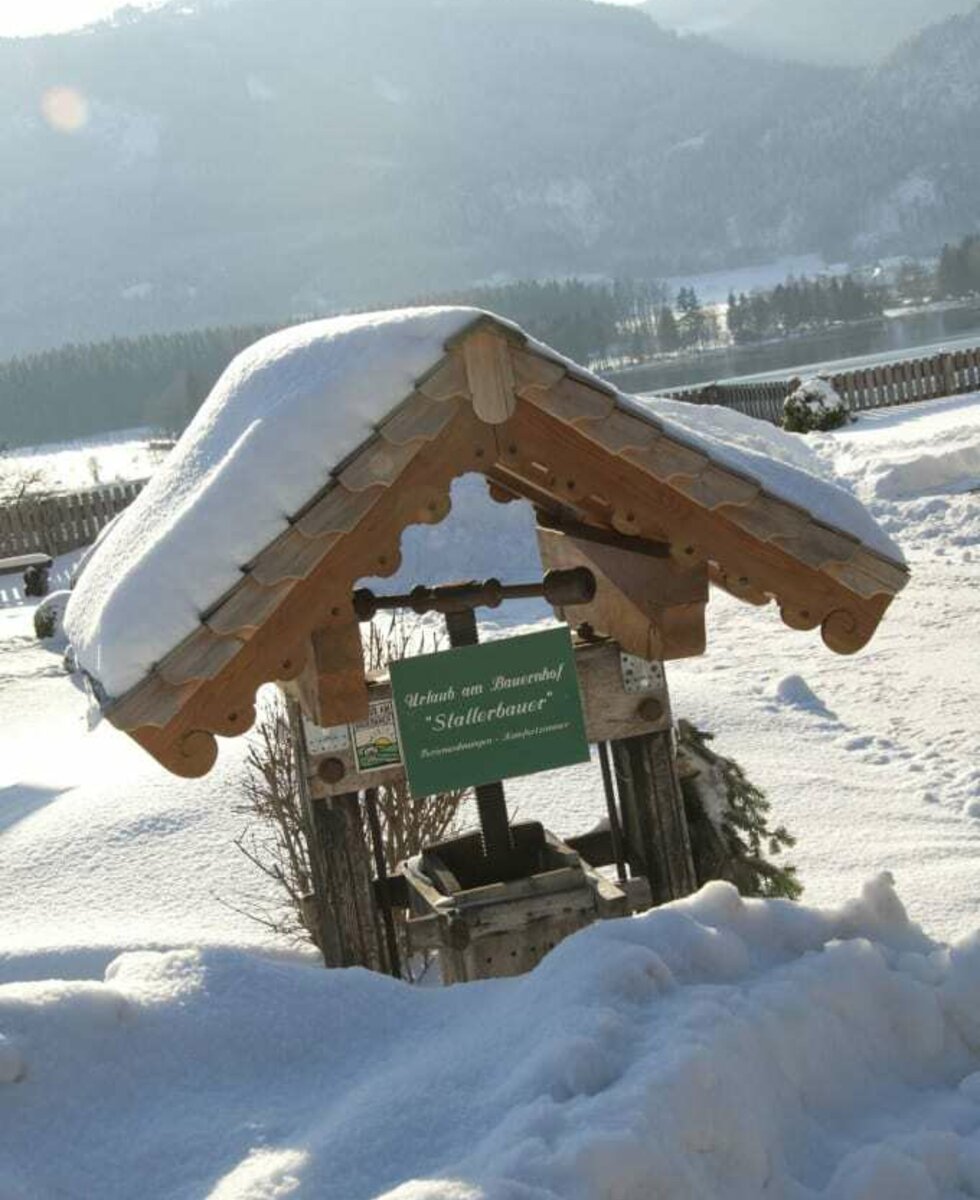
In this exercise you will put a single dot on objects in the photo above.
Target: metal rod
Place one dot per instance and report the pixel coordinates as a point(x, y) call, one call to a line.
point(576, 585)
point(631, 543)
point(615, 827)
point(387, 916)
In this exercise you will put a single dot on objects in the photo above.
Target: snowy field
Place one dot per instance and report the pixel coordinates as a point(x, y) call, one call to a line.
point(156, 1043)
point(89, 462)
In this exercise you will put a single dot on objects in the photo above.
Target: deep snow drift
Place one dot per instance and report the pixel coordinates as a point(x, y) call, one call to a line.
point(711, 1049)
point(715, 1049)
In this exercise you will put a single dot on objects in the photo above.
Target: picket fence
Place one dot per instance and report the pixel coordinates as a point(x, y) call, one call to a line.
point(55, 524)
point(883, 386)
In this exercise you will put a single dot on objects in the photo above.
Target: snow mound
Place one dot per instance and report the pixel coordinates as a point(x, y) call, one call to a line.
point(929, 449)
point(714, 1048)
point(956, 470)
point(795, 691)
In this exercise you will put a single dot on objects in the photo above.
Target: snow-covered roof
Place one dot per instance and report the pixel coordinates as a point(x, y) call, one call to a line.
point(306, 429)
point(280, 419)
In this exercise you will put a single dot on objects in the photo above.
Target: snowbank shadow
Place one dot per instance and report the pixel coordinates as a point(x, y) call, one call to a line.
point(21, 800)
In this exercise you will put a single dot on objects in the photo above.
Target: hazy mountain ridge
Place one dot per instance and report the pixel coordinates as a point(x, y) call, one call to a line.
point(448, 143)
point(832, 33)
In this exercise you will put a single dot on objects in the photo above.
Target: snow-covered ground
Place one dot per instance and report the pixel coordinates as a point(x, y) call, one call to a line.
point(154, 1042)
point(89, 462)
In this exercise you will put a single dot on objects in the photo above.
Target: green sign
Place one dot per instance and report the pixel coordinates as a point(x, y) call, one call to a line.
point(482, 713)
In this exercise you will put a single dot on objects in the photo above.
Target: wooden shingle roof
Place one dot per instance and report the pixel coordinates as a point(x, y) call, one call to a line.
point(537, 427)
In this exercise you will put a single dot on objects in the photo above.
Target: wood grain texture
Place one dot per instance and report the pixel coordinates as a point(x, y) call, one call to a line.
point(291, 556)
point(446, 381)
point(417, 419)
point(654, 607)
point(337, 510)
point(153, 702)
point(570, 400)
point(377, 462)
point(532, 372)
point(201, 656)
point(620, 431)
point(246, 608)
point(490, 376)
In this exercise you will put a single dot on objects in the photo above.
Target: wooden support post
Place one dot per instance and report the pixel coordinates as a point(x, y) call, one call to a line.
point(657, 842)
point(349, 931)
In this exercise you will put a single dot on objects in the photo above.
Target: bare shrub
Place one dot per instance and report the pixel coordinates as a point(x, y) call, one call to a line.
point(277, 837)
point(17, 481)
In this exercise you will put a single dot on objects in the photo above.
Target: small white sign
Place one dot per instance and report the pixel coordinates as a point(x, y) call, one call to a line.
point(334, 740)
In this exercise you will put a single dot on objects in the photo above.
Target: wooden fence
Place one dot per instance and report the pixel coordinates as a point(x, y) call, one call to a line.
point(58, 523)
point(906, 382)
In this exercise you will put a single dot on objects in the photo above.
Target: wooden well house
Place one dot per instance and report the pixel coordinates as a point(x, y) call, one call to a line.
point(636, 519)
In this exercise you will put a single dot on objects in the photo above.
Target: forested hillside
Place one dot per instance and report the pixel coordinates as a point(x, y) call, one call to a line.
point(160, 379)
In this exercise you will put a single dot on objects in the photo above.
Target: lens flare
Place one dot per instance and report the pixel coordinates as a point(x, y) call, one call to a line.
point(64, 108)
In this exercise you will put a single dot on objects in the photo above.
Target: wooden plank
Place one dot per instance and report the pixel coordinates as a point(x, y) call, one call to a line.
point(533, 372)
point(819, 545)
point(201, 656)
point(669, 460)
point(338, 510)
point(657, 839)
point(714, 487)
point(571, 400)
point(490, 377)
point(768, 519)
point(532, 437)
point(154, 702)
point(379, 462)
point(446, 381)
point(290, 556)
point(332, 688)
point(417, 419)
point(246, 608)
point(620, 431)
point(653, 607)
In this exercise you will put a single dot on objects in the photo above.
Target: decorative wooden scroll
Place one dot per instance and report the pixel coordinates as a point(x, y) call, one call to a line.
point(542, 430)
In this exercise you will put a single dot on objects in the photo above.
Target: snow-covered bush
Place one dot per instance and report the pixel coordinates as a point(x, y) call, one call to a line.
point(49, 615)
point(728, 821)
point(814, 405)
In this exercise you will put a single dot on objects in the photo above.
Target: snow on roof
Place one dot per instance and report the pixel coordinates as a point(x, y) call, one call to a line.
point(284, 413)
point(783, 463)
point(283, 416)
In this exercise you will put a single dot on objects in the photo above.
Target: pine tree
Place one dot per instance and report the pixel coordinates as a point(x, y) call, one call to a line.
point(668, 335)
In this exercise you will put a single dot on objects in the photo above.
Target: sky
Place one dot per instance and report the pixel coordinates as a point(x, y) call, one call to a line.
point(19, 18)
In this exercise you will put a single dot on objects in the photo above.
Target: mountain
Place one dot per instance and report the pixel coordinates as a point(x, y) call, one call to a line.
point(833, 32)
point(232, 163)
